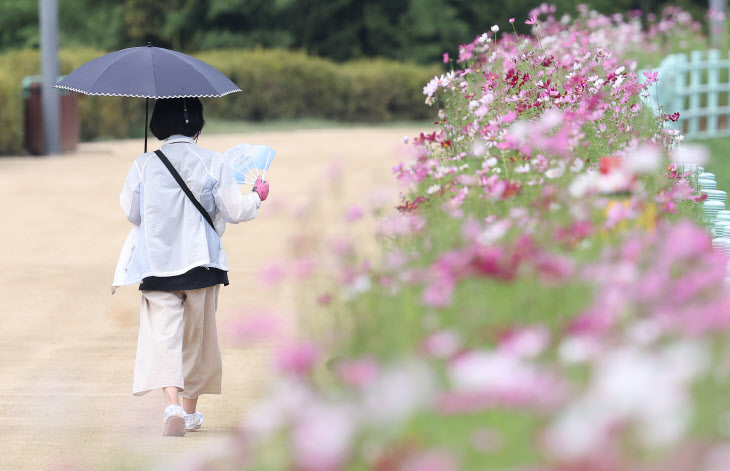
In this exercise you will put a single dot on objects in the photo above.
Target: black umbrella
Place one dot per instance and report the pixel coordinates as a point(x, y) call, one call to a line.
point(148, 72)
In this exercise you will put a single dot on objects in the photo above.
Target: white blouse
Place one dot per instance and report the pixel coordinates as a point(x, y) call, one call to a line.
point(170, 236)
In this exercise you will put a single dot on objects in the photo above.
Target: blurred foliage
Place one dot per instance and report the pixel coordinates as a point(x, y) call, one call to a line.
point(277, 85)
point(11, 118)
point(413, 30)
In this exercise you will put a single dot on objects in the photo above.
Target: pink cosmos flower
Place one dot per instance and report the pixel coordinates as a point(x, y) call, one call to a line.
point(324, 299)
point(482, 379)
point(343, 247)
point(651, 77)
point(442, 344)
point(718, 458)
point(333, 171)
point(509, 117)
point(431, 461)
point(526, 342)
point(261, 326)
point(446, 57)
point(322, 437)
point(683, 242)
point(359, 372)
point(439, 293)
point(400, 224)
point(296, 358)
point(593, 322)
point(617, 213)
point(395, 260)
point(302, 267)
point(272, 273)
point(353, 213)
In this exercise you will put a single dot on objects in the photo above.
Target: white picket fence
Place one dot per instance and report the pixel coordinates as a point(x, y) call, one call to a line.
point(698, 88)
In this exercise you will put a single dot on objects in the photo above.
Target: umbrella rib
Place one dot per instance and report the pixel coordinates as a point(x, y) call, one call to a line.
point(185, 58)
point(154, 71)
point(194, 69)
point(107, 68)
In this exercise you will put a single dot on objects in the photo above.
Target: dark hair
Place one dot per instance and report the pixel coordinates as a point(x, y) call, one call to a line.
point(168, 117)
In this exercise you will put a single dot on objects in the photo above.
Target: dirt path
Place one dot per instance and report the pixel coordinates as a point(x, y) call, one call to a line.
point(67, 346)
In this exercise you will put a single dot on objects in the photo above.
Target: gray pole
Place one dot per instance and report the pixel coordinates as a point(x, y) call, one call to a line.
point(48, 13)
point(717, 22)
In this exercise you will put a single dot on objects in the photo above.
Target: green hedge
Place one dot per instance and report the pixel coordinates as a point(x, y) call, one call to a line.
point(11, 114)
point(276, 84)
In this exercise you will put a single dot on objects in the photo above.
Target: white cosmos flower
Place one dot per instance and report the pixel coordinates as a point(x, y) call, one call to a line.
point(433, 189)
point(582, 185)
point(397, 392)
point(555, 172)
point(482, 111)
point(495, 28)
point(577, 166)
point(691, 154)
point(478, 148)
point(645, 159)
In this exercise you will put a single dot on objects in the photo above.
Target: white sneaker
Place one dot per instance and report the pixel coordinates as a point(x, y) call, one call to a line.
point(193, 421)
point(174, 421)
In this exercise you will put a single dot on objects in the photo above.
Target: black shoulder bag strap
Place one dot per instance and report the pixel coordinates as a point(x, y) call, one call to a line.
point(184, 187)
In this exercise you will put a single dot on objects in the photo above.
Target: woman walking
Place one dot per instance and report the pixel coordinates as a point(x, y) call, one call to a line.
point(179, 199)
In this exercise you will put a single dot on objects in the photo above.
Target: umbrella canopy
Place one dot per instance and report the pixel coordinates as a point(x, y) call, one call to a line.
point(148, 72)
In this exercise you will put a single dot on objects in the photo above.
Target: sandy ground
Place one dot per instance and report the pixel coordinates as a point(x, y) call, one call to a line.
point(67, 346)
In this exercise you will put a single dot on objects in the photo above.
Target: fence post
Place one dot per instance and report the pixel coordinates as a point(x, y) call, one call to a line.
point(679, 91)
point(665, 84)
point(695, 83)
point(713, 80)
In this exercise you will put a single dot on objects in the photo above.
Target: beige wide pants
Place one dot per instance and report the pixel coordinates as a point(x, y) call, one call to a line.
point(178, 343)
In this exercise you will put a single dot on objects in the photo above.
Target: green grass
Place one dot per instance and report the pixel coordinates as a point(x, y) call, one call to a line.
point(719, 163)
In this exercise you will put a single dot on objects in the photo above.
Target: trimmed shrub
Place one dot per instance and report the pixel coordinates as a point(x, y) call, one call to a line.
point(280, 84)
point(13, 67)
point(103, 116)
point(11, 116)
point(276, 84)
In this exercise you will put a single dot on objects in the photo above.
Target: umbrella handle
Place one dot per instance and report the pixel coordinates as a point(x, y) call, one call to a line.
point(146, 113)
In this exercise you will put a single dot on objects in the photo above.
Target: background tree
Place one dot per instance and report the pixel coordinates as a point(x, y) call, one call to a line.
point(170, 23)
point(412, 30)
point(244, 23)
point(18, 24)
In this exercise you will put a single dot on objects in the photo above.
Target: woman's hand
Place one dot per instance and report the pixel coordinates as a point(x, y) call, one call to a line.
point(262, 188)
